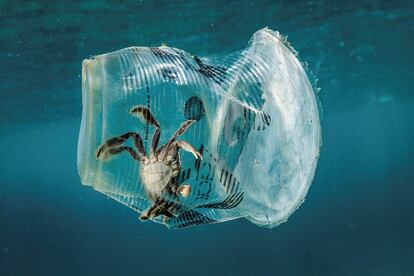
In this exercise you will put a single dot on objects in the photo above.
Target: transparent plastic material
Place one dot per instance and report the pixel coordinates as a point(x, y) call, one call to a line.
point(256, 125)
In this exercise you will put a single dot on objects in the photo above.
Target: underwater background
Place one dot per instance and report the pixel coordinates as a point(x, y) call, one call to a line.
point(358, 217)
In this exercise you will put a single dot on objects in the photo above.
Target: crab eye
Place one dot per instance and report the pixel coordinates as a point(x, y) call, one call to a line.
point(239, 134)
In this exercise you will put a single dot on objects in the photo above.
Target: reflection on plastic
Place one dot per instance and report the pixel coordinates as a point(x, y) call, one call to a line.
point(187, 141)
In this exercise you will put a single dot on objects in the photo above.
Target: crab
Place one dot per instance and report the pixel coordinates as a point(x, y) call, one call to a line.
point(160, 169)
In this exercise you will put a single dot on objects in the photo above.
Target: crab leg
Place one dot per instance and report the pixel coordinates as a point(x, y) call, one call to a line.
point(104, 149)
point(130, 150)
point(183, 128)
point(158, 208)
point(147, 214)
point(144, 114)
point(187, 147)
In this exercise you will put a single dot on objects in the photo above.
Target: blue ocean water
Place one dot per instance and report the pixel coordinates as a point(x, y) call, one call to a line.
point(358, 217)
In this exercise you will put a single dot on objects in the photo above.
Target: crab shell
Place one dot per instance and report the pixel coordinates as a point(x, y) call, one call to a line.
point(156, 175)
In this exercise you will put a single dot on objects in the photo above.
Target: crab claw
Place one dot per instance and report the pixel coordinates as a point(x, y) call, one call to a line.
point(187, 147)
point(184, 190)
point(198, 155)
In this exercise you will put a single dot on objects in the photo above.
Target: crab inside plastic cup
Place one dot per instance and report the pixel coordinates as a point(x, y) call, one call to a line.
point(254, 122)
